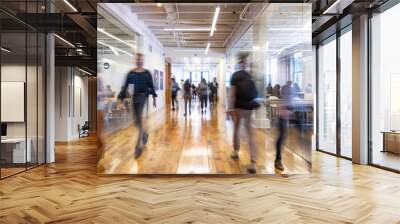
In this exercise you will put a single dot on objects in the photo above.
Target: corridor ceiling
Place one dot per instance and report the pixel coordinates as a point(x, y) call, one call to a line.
point(189, 24)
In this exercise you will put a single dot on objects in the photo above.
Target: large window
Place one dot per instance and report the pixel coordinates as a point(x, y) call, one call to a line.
point(346, 93)
point(327, 96)
point(385, 89)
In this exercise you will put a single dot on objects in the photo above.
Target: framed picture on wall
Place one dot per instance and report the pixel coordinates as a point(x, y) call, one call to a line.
point(161, 80)
point(155, 79)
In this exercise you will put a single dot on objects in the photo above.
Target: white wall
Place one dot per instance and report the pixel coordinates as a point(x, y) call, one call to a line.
point(70, 109)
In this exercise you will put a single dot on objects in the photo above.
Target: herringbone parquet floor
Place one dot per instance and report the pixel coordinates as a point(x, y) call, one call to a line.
point(70, 191)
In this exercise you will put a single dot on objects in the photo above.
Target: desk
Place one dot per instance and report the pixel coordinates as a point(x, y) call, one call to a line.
point(13, 150)
point(391, 141)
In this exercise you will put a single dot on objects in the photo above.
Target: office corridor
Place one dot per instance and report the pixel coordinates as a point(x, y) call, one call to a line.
point(196, 144)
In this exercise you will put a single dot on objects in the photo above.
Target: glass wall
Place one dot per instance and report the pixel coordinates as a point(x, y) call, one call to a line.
point(385, 89)
point(327, 96)
point(22, 89)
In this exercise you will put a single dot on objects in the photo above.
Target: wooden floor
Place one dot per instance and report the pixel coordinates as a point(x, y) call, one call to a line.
point(70, 191)
point(197, 144)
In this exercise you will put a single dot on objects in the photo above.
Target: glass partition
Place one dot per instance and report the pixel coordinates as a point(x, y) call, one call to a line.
point(22, 89)
point(327, 96)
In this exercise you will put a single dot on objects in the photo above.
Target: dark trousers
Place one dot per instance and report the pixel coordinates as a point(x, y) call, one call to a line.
point(203, 101)
point(282, 128)
point(174, 100)
point(138, 107)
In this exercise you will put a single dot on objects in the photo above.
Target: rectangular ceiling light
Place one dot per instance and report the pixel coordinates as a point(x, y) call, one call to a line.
point(5, 50)
point(70, 5)
point(115, 38)
point(114, 51)
point(188, 29)
point(338, 6)
point(64, 40)
point(115, 48)
point(84, 71)
point(214, 23)
point(208, 47)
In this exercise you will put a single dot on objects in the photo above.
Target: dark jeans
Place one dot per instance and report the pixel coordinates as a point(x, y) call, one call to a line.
point(174, 100)
point(203, 101)
point(138, 105)
point(282, 128)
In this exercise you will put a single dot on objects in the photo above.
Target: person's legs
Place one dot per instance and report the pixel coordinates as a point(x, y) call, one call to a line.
point(173, 101)
point(142, 135)
point(281, 137)
point(252, 145)
point(236, 133)
point(186, 104)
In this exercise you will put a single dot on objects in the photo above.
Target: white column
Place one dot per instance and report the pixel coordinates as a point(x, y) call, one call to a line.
point(50, 98)
point(360, 90)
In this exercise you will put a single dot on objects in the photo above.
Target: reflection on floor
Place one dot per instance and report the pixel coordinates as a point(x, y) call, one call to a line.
point(198, 144)
point(386, 159)
point(71, 191)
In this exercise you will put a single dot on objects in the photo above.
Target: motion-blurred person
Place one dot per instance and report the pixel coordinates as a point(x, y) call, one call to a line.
point(215, 84)
point(187, 95)
point(269, 90)
point(288, 93)
point(241, 104)
point(277, 91)
point(194, 92)
point(203, 92)
point(174, 93)
point(211, 93)
point(142, 86)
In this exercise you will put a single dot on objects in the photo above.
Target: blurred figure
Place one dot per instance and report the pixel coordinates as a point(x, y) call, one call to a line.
point(215, 84)
point(142, 87)
point(241, 104)
point(269, 90)
point(174, 93)
point(194, 92)
point(211, 93)
point(203, 91)
point(109, 98)
point(296, 89)
point(277, 91)
point(288, 94)
point(187, 95)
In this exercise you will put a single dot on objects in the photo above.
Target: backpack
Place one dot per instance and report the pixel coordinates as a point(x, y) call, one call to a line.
point(246, 92)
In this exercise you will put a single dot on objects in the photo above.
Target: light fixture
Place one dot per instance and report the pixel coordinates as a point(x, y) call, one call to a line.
point(326, 11)
point(187, 29)
point(5, 50)
point(214, 23)
point(84, 71)
point(159, 4)
point(65, 41)
point(115, 48)
point(208, 46)
point(70, 5)
point(114, 37)
point(114, 51)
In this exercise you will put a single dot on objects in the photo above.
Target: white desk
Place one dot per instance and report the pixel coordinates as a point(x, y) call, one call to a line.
point(18, 151)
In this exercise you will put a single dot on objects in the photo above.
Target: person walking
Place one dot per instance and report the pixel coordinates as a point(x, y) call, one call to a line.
point(194, 92)
point(187, 95)
point(203, 91)
point(142, 87)
point(174, 93)
point(215, 84)
point(241, 104)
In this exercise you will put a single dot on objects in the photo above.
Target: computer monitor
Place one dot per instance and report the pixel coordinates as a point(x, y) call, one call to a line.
point(3, 129)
